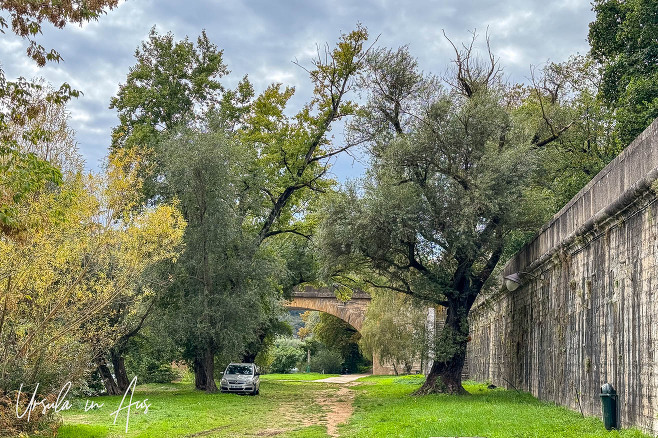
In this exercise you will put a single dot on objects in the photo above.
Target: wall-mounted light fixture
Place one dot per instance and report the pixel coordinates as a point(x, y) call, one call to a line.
point(513, 281)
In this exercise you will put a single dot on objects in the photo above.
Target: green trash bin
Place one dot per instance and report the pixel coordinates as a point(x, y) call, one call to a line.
point(610, 409)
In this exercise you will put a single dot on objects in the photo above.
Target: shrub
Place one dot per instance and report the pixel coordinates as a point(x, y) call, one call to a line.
point(285, 353)
point(154, 372)
point(326, 361)
point(151, 370)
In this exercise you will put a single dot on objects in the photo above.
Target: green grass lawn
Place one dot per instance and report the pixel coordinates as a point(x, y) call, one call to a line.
point(385, 408)
point(291, 406)
point(178, 410)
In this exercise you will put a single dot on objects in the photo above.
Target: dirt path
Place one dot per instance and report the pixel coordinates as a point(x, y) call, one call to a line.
point(334, 399)
point(345, 378)
point(338, 404)
point(338, 408)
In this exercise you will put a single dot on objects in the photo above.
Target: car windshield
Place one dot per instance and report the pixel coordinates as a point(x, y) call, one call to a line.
point(239, 369)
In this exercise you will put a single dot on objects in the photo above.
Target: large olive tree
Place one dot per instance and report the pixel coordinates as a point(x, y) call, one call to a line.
point(449, 183)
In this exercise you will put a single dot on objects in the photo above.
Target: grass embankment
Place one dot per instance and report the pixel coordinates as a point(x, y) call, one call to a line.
point(290, 406)
point(384, 408)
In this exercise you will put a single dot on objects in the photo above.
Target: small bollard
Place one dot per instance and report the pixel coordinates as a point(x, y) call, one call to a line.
point(609, 402)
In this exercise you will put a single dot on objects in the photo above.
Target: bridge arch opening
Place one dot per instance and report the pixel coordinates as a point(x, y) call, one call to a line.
point(352, 311)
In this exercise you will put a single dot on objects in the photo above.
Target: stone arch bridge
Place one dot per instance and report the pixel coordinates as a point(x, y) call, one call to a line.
point(352, 311)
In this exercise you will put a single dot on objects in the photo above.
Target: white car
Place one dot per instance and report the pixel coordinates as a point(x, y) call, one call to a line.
point(241, 377)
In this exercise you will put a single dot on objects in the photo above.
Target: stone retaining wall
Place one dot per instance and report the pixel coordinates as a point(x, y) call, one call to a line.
point(587, 312)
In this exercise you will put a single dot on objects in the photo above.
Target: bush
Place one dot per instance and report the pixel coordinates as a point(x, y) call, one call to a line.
point(154, 372)
point(89, 386)
point(151, 370)
point(286, 352)
point(326, 361)
point(39, 423)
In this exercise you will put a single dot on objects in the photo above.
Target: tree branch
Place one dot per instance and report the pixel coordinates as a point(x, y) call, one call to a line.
point(274, 233)
point(407, 291)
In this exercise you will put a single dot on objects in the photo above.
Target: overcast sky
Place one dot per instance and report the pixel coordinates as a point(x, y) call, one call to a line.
point(261, 38)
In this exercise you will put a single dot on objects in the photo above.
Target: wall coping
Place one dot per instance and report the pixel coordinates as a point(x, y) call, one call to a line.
point(625, 178)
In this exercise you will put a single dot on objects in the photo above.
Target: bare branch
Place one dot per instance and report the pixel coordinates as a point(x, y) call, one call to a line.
point(473, 74)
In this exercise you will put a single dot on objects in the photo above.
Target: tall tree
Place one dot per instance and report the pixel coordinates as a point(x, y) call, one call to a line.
point(64, 270)
point(447, 186)
point(171, 82)
point(624, 39)
point(286, 159)
point(129, 309)
point(24, 173)
point(214, 300)
point(47, 135)
point(294, 152)
point(564, 95)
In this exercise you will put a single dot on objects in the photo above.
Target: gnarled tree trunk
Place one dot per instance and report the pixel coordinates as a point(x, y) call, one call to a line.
point(108, 380)
point(445, 376)
point(120, 371)
point(204, 370)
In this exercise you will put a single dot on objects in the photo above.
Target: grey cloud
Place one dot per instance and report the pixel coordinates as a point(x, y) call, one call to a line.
point(262, 37)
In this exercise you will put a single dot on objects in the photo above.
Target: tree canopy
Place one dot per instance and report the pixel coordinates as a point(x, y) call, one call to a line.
point(245, 174)
point(450, 184)
point(22, 172)
point(624, 39)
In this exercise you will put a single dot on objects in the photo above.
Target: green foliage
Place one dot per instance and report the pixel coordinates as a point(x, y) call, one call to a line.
point(152, 371)
point(623, 39)
point(149, 356)
point(23, 173)
point(26, 18)
point(221, 283)
point(327, 362)
point(243, 172)
point(61, 274)
point(25, 123)
point(294, 151)
point(269, 329)
point(395, 330)
point(335, 333)
point(170, 83)
point(285, 353)
point(454, 171)
point(339, 336)
point(565, 95)
point(311, 319)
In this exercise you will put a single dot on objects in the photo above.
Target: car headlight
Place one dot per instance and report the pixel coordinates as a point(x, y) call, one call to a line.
point(224, 380)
